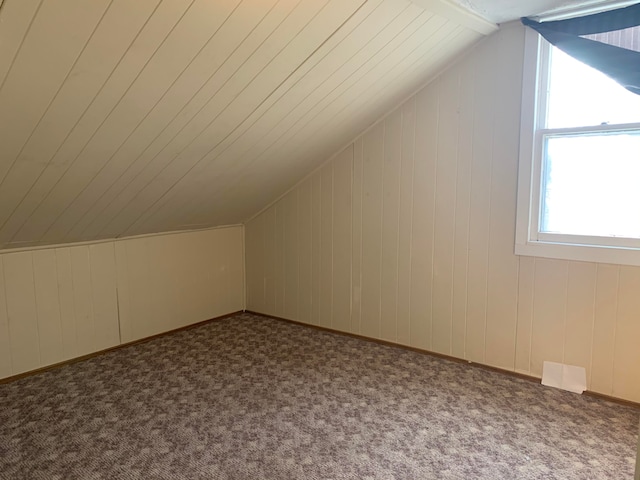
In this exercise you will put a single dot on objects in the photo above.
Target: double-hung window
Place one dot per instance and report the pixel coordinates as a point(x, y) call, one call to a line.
point(579, 172)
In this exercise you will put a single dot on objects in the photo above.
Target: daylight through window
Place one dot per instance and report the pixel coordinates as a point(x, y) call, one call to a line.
point(580, 177)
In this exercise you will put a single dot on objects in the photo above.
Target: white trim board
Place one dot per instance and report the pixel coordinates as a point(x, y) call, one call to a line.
point(458, 14)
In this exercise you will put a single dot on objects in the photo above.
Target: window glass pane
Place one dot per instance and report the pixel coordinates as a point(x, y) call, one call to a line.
point(582, 96)
point(591, 185)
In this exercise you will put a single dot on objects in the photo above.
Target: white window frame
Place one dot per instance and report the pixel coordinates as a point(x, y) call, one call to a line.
point(529, 241)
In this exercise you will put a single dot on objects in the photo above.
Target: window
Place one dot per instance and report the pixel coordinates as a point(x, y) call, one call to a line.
point(579, 176)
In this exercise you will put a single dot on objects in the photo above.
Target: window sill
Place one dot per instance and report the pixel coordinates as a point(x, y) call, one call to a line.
point(580, 253)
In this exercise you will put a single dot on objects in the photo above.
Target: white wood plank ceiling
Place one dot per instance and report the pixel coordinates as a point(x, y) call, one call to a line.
point(122, 117)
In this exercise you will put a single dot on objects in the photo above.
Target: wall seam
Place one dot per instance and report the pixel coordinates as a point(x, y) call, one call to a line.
point(244, 268)
point(533, 311)
point(6, 311)
point(35, 298)
point(401, 109)
point(433, 216)
point(615, 331)
point(486, 277)
point(381, 263)
point(455, 209)
point(564, 313)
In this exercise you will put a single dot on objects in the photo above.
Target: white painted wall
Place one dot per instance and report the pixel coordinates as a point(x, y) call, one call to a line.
point(60, 303)
point(408, 235)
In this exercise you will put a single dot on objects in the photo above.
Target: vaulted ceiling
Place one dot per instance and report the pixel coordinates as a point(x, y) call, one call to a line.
point(121, 117)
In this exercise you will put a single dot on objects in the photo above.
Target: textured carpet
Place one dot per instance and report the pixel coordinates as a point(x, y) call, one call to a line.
point(253, 398)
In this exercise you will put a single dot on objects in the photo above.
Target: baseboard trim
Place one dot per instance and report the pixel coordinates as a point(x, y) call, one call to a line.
point(88, 356)
point(530, 378)
point(609, 398)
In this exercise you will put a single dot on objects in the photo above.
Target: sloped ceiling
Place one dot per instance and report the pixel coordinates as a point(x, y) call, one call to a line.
point(128, 117)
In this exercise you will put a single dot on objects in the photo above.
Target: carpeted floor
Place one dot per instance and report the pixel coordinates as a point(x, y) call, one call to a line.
point(254, 398)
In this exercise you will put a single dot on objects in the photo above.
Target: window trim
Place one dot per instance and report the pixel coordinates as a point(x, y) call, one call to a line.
point(529, 242)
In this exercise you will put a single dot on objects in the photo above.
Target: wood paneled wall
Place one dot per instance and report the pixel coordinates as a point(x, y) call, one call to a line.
point(169, 281)
point(56, 304)
point(60, 303)
point(408, 235)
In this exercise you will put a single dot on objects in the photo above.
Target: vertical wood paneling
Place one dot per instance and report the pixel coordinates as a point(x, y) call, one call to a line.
point(22, 311)
point(626, 380)
point(341, 261)
point(254, 261)
point(604, 329)
point(316, 250)
point(196, 275)
point(432, 217)
point(305, 241)
point(549, 312)
point(169, 277)
point(390, 225)
point(372, 185)
point(197, 278)
point(356, 242)
point(503, 265)
point(104, 296)
point(170, 280)
point(445, 215)
point(48, 306)
point(253, 255)
point(279, 256)
point(581, 288)
point(405, 222)
point(480, 212)
point(58, 304)
point(270, 260)
point(67, 305)
point(136, 267)
point(82, 299)
point(461, 227)
point(326, 246)
point(423, 211)
point(234, 268)
point(5, 341)
point(123, 293)
point(526, 279)
point(291, 256)
point(218, 287)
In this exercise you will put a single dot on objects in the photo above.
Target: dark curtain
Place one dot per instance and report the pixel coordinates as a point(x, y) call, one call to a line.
point(621, 64)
